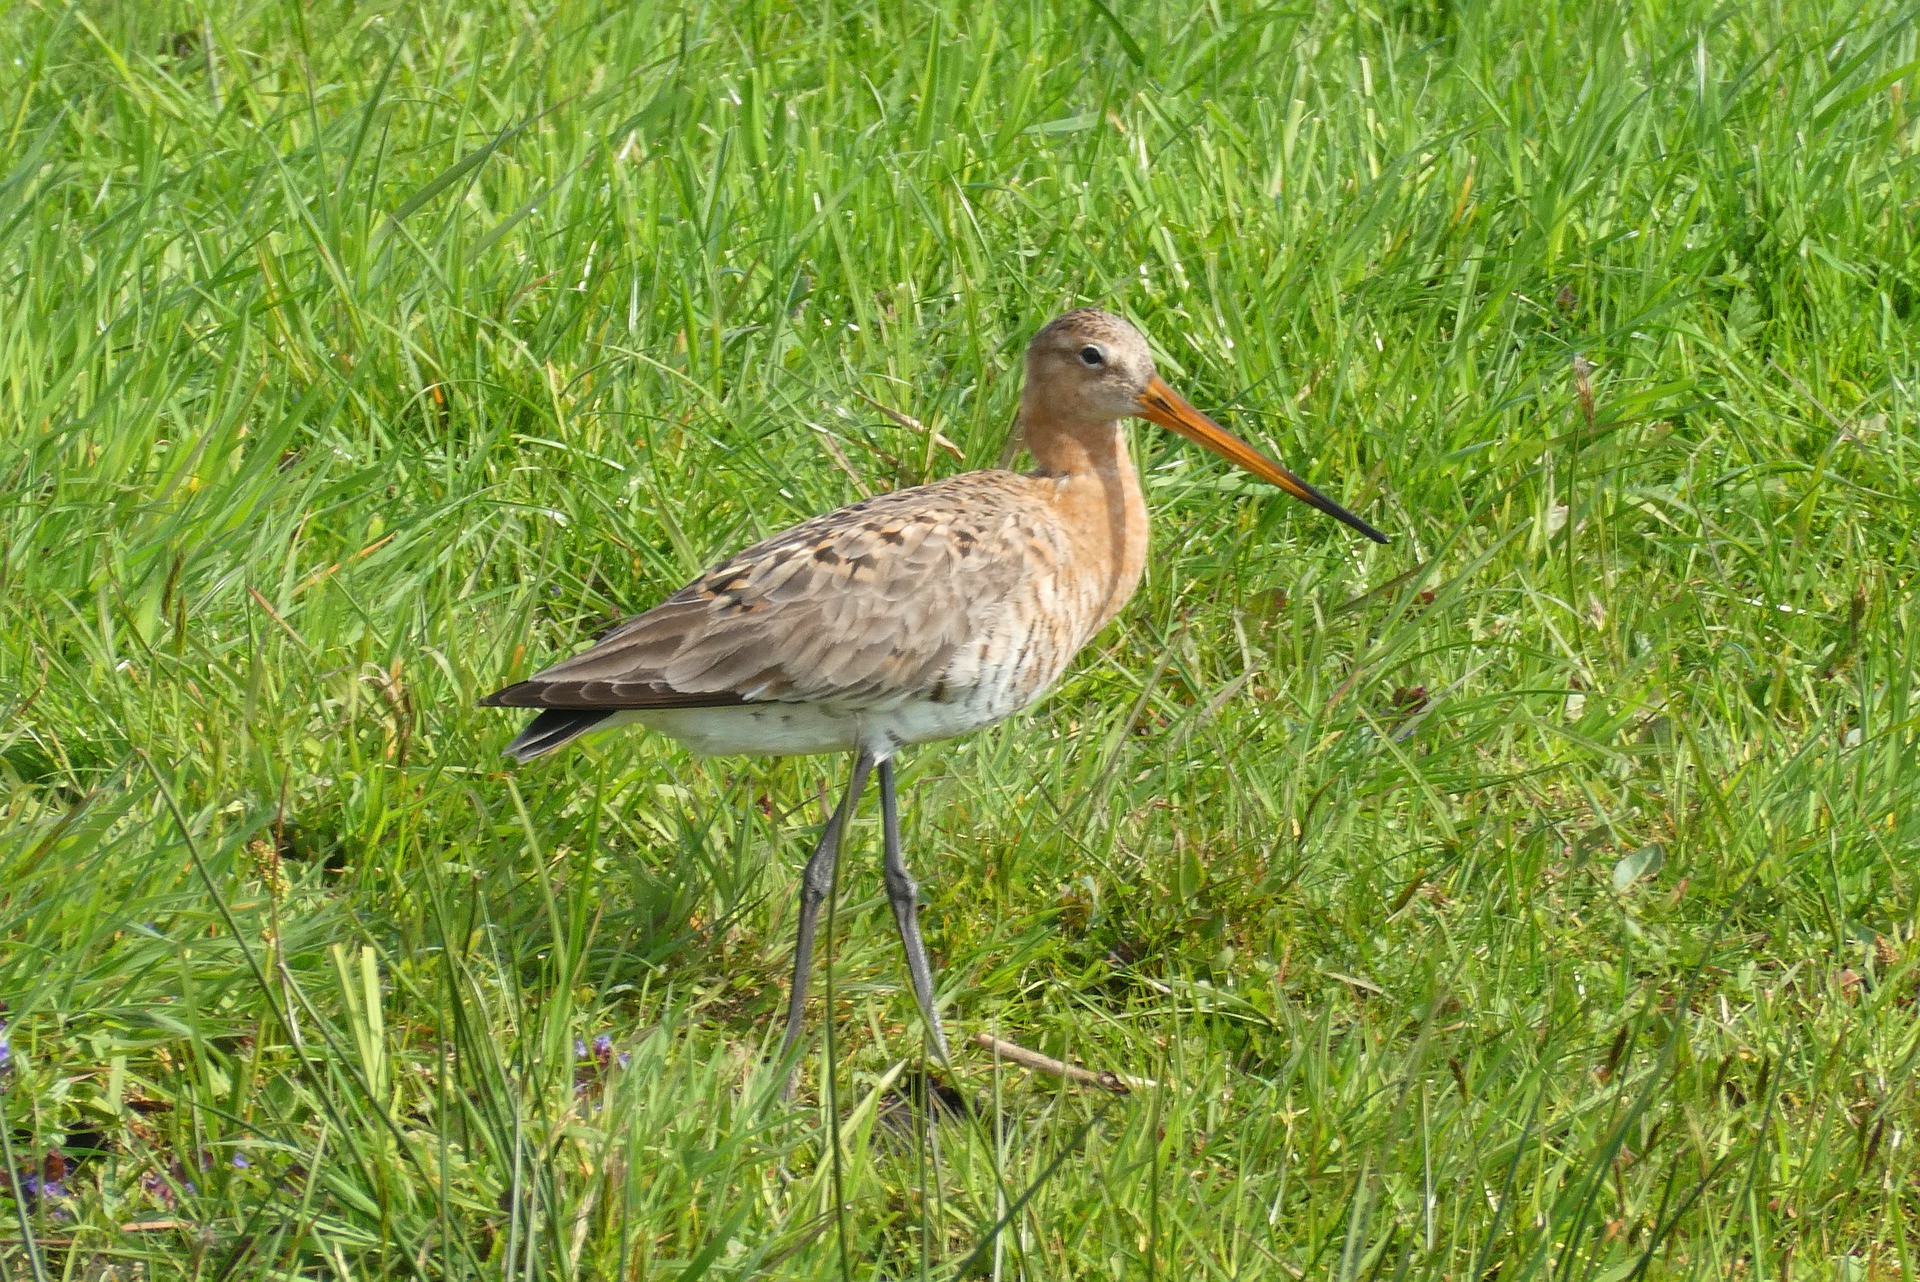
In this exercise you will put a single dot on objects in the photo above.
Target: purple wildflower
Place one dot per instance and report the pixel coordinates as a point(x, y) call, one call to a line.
point(603, 1049)
point(240, 1162)
point(158, 1189)
point(179, 1173)
point(32, 1188)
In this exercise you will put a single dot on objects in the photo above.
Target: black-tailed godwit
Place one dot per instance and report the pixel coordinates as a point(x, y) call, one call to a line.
point(916, 615)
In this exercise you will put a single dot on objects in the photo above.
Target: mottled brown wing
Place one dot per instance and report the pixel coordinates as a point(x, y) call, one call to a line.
point(856, 607)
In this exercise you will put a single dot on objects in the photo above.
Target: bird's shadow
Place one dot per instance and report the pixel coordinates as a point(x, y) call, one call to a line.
point(916, 1102)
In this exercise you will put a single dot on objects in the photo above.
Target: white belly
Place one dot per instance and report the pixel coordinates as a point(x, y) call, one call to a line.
point(799, 729)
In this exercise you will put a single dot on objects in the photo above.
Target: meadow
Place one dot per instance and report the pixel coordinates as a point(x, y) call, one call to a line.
point(1532, 897)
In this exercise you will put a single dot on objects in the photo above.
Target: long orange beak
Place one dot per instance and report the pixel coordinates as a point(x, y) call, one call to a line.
point(1162, 405)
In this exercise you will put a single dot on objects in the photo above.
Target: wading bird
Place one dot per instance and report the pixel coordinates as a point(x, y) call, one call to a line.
point(912, 616)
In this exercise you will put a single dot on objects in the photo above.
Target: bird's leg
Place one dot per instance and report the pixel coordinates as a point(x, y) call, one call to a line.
point(815, 883)
point(903, 895)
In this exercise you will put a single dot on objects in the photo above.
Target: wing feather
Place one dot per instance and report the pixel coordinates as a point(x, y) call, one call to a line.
point(861, 606)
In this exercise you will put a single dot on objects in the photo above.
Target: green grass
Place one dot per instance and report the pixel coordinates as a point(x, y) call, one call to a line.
point(1534, 896)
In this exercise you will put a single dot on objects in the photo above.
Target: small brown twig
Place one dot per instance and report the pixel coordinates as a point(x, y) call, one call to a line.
point(1106, 1080)
point(913, 424)
point(845, 465)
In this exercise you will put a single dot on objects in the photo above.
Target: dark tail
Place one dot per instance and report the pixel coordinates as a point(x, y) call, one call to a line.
point(550, 730)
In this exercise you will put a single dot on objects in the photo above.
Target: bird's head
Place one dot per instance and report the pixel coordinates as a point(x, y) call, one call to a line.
point(1090, 367)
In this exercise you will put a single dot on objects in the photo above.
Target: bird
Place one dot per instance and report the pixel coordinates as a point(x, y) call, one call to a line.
point(911, 616)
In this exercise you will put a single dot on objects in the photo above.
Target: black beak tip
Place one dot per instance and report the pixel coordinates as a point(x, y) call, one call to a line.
point(1347, 518)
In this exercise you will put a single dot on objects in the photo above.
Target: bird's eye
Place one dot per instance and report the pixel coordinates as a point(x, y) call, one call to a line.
point(1091, 356)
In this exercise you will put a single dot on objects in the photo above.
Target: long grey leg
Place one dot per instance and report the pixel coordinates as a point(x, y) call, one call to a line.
point(904, 896)
point(815, 882)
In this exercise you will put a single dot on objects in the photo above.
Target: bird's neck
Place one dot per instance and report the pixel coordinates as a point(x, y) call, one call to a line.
point(1097, 491)
point(1086, 449)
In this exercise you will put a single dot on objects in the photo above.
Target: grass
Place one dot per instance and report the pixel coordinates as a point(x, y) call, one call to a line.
point(1533, 897)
